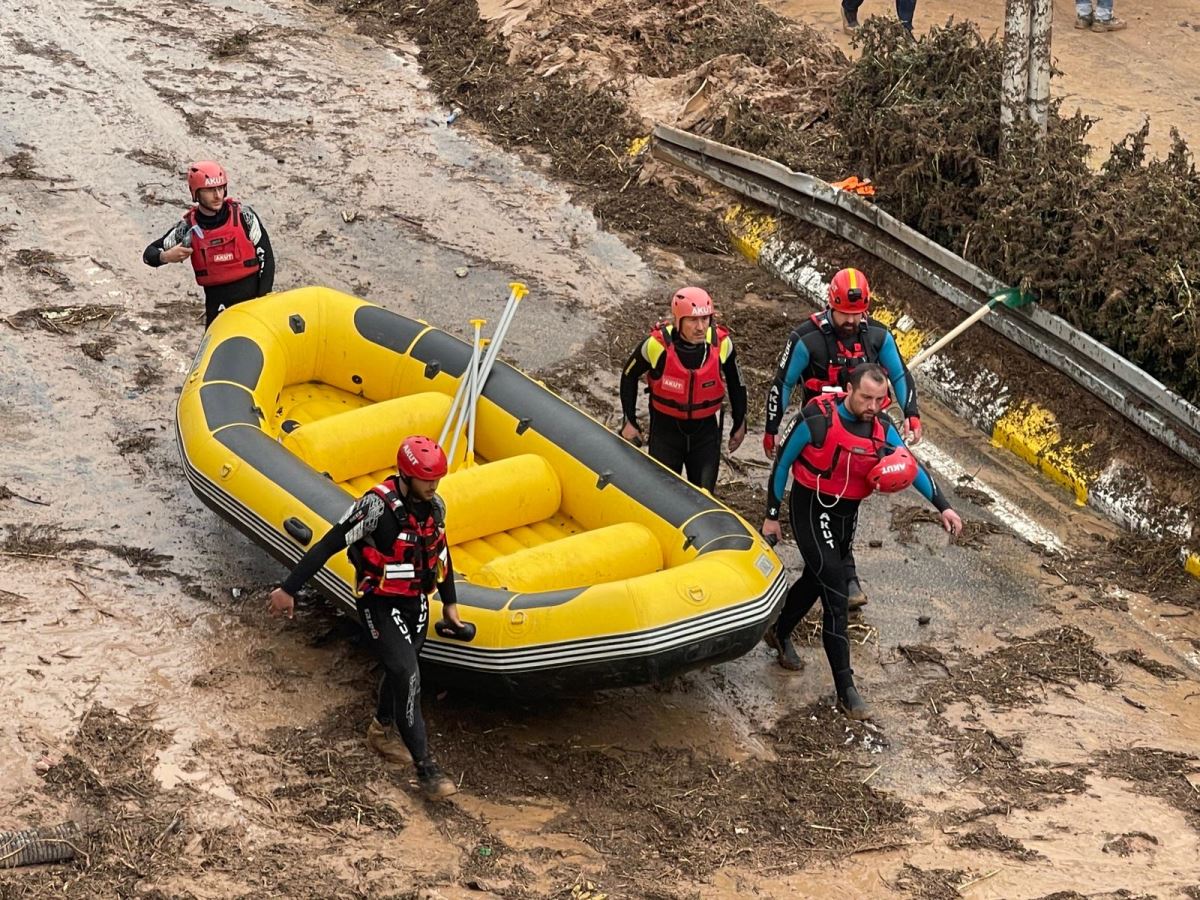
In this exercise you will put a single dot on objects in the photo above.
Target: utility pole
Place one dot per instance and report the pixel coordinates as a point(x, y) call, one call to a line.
point(1025, 91)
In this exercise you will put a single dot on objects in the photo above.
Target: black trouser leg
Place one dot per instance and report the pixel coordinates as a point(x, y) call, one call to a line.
point(696, 445)
point(824, 528)
point(396, 632)
point(666, 442)
point(703, 458)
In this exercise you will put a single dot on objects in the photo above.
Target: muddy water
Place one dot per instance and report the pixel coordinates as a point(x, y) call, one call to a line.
point(109, 99)
point(1150, 69)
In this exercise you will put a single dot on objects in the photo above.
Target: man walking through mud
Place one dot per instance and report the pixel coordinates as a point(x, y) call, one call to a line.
point(839, 451)
point(690, 365)
point(821, 353)
point(395, 536)
point(225, 240)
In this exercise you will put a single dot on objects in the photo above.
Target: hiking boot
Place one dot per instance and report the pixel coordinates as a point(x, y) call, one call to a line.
point(387, 743)
point(1083, 22)
point(436, 784)
point(1113, 24)
point(856, 597)
point(849, 21)
point(788, 657)
point(852, 705)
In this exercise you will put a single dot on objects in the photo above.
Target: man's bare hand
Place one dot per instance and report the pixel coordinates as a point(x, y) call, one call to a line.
point(952, 522)
point(281, 603)
point(178, 253)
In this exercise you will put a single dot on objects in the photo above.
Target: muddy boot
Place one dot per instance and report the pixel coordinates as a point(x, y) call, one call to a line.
point(788, 657)
point(856, 597)
point(849, 21)
point(387, 743)
point(436, 784)
point(852, 705)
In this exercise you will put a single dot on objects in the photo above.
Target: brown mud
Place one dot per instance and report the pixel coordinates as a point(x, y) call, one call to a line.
point(1026, 741)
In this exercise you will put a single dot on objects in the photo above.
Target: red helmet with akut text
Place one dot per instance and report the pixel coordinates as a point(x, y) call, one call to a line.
point(421, 457)
point(849, 292)
point(205, 174)
point(894, 472)
point(690, 301)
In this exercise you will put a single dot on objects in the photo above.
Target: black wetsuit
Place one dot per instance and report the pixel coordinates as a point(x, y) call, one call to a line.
point(823, 525)
point(395, 626)
point(807, 355)
point(218, 297)
point(679, 444)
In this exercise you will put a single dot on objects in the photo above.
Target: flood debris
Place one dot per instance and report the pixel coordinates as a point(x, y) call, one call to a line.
point(63, 319)
point(1165, 774)
point(1154, 667)
point(234, 44)
point(989, 837)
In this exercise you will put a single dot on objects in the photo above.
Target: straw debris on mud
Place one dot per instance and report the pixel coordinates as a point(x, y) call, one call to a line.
point(675, 810)
point(1165, 774)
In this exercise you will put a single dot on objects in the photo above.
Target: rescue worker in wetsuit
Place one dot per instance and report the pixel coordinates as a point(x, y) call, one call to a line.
point(395, 536)
point(225, 240)
point(839, 450)
point(823, 350)
point(689, 365)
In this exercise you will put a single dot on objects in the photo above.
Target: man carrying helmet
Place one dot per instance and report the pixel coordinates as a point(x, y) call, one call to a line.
point(395, 536)
point(820, 354)
point(224, 239)
point(839, 450)
point(689, 365)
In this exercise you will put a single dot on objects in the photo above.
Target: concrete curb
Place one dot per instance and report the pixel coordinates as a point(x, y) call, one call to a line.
point(1120, 492)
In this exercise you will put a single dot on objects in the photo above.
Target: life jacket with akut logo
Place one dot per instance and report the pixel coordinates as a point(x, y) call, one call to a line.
point(224, 254)
point(838, 462)
point(417, 559)
point(684, 393)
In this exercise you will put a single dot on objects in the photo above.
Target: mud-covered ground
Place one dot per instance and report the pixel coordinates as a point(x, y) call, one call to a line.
point(1036, 714)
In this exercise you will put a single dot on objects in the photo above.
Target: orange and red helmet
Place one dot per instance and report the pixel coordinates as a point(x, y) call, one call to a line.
point(421, 457)
point(849, 292)
point(894, 472)
point(690, 301)
point(205, 174)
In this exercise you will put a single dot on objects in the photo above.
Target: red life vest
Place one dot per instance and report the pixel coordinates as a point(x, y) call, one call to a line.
point(415, 562)
point(839, 463)
point(683, 393)
point(225, 254)
point(841, 359)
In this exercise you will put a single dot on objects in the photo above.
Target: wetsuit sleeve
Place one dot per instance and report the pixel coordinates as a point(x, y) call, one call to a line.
point(357, 522)
point(736, 389)
point(925, 483)
point(174, 237)
point(257, 233)
point(792, 363)
point(446, 589)
point(795, 439)
point(902, 380)
point(636, 366)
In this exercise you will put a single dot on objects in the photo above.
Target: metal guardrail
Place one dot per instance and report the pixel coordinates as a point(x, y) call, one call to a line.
point(1144, 400)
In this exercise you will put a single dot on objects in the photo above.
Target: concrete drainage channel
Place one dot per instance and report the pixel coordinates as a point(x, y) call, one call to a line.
point(1120, 491)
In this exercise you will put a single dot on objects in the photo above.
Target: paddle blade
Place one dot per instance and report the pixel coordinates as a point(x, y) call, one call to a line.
point(1013, 298)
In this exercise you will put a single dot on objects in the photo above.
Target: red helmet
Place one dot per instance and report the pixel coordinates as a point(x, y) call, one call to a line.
point(690, 301)
point(205, 174)
point(894, 472)
point(421, 457)
point(849, 291)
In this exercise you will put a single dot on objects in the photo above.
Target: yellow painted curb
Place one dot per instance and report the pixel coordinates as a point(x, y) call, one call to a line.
point(749, 230)
point(910, 342)
point(1032, 433)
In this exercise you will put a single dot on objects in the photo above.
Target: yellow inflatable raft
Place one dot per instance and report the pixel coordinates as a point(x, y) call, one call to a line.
point(582, 563)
